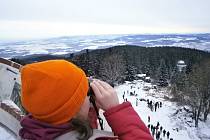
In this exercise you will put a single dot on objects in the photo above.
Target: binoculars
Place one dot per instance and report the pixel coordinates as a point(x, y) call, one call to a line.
point(90, 91)
point(92, 100)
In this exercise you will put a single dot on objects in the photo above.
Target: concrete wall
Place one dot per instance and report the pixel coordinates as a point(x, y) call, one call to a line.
point(10, 122)
point(7, 80)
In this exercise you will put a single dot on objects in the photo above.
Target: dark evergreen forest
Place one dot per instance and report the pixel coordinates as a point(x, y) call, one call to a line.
point(121, 63)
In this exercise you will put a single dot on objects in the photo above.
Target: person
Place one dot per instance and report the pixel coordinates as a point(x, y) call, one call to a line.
point(136, 101)
point(164, 133)
point(160, 104)
point(168, 134)
point(161, 128)
point(148, 126)
point(56, 94)
point(151, 127)
point(158, 124)
point(155, 106)
point(148, 119)
point(150, 103)
point(158, 135)
point(153, 131)
point(157, 127)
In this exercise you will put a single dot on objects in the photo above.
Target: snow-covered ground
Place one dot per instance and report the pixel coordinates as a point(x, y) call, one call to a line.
point(164, 115)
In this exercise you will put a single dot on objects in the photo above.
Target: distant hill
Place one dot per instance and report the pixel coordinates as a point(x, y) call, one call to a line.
point(73, 44)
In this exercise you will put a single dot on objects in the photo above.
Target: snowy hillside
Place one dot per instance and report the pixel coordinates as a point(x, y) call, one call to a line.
point(72, 44)
point(178, 125)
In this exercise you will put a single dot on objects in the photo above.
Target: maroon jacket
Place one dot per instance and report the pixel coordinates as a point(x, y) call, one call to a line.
point(124, 121)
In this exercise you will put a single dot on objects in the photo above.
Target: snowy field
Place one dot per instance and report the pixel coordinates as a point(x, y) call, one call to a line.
point(72, 44)
point(178, 125)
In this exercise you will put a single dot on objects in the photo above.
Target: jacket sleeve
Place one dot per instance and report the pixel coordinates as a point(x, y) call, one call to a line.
point(126, 123)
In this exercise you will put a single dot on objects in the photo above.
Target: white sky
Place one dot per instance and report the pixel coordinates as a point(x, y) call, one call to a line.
point(21, 19)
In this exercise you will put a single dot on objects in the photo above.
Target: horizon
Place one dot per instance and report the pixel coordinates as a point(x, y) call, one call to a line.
point(46, 19)
point(89, 35)
point(54, 30)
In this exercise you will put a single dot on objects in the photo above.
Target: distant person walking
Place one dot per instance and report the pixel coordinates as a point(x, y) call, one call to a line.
point(161, 128)
point(160, 104)
point(153, 131)
point(155, 106)
point(164, 133)
point(168, 134)
point(151, 127)
point(158, 135)
point(136, 101)
point(148, 126)
point(148, 119)
point(158, 124)
point(150, 103)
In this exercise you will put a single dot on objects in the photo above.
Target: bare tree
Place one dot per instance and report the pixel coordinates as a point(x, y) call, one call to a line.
point(198, 91)
point(112, 68)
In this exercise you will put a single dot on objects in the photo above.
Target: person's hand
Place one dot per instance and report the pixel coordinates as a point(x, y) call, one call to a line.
point(105, 95)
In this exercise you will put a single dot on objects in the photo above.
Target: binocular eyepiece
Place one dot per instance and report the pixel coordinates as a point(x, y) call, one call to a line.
point(90, 90)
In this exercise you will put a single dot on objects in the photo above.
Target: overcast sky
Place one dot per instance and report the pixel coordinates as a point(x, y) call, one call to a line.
point(49, 18)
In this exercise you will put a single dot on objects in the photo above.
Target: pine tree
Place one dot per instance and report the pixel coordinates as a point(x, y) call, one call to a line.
point(130, 72)
point(162, 73)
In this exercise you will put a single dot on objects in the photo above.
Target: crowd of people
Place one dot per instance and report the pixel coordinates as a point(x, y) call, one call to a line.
point(158, 131)
point(154, 105)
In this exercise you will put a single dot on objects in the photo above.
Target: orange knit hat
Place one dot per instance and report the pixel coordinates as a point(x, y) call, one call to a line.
point(53, 91)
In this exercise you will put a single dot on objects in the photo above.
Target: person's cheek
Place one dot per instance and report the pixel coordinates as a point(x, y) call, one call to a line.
point(86, 108)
